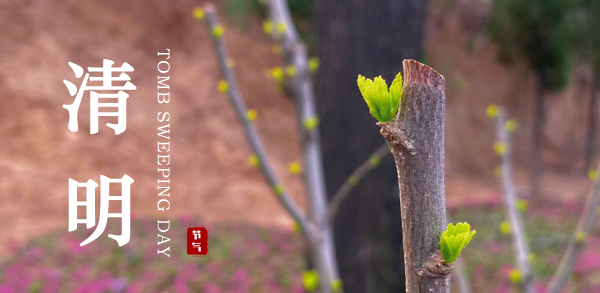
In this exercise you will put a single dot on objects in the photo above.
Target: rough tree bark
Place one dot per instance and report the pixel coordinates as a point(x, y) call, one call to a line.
point(416, 138)
point(368, 37)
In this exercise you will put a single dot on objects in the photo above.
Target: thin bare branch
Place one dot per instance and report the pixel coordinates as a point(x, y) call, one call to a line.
point(252, 135)
point(588, 218)
point(510, 202)
point(294, 52)
point(368, 165)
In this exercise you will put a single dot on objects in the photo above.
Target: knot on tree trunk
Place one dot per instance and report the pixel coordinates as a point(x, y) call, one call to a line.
point(435, 267)
point(396, 137)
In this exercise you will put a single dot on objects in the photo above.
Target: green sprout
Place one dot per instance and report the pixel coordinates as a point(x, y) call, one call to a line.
point(218, 31)
point(254, 161)
point(291, 70)
point(454, 240)
point(522, 205)
point(515, 276)
point(310, 123)
point(383, 103)
point(336, 285)
point(593, 174)
point(277, 74)
point(268, 27)
point(278, 189)
point(511, 125)
point(251, 115)
point(310, 280)
point(223, 86)
point(313, 64)
point(492, 110)
point(500, 148)
point(580, 237)
point(295, 168)
point(198, 13)
point(505, 228)
point(374, 160)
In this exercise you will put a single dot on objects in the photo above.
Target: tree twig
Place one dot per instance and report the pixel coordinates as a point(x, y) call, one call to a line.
point(516, 223)
point(252, 135)
point(416, 139)
point(588, 218)
point(354, 179)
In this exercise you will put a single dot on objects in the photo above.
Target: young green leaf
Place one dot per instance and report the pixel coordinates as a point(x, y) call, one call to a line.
point(454, 240)
point(383, 102)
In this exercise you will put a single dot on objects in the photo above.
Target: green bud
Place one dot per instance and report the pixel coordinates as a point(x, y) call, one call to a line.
point(505, 228)
point(295, 168)
point(223, 86)
point(278, 189)
point(218, 31)
point(580, 237)
point(268, 27)
point(492, 110)
point(277, 74)
point(500, 148)
point(336, 285)
point(515, 276)
point(383, 103)
point(511, 125)
point(593, 174)
point(374, 160)
point(352, 180)
point(313, 64)
point(310, 123)
point(251, 114)
point(454, 240)
point(281, 27)
point(198, 13)
point(522, 205)
point(310, 280)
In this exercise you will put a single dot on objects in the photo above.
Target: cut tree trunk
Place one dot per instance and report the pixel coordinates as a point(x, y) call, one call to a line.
point(368, 37)
point(416, 138)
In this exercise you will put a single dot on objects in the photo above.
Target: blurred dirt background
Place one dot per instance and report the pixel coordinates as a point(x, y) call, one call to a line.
point(211, 176)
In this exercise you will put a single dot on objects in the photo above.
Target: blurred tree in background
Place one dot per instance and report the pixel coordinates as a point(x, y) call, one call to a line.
point(586, 31)
point(366, 37)
point(535, 32)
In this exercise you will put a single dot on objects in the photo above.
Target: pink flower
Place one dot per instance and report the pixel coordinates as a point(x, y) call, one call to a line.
point(587, 261)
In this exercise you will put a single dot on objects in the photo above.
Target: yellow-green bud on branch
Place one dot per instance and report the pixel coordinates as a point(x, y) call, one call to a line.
point(278, 189)
point(254, 161)
point(500, 148)
point(218, 31)
point(198, 13)
point(310, 280)
point(454, 240)
point(311, 123)
point(277, 74)
point(492, 110)
point(223, 86)
point(251, 115)
point(511, 125)
point(505, 228)
point(268, 27)
point(516, 276)
point(313, 64)
point(295, 168)
point(383, 103)
point(336, 286)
